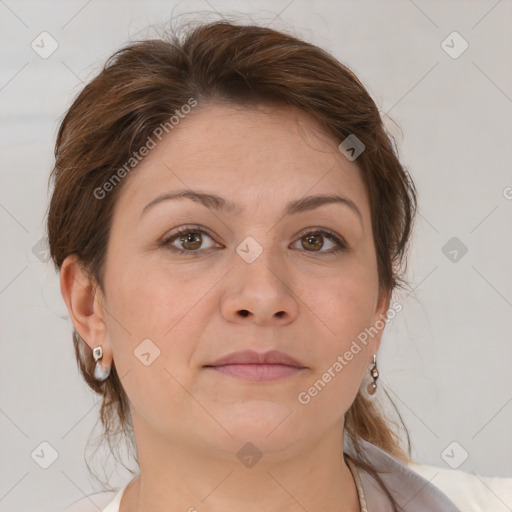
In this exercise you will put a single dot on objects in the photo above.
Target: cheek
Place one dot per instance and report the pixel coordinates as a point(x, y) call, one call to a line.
point(151, 327)
point(341, 357)
point(153, 301)
point(345, 303)
point(156, 313)
point(346, 308)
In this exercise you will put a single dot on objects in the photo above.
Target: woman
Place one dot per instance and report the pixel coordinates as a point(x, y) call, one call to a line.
point(229, 219)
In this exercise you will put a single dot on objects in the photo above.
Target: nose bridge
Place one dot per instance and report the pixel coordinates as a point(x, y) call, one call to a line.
point(260, 287)
point(261, 263)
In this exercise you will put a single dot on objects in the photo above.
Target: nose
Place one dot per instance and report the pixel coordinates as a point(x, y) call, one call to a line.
point(259, 292)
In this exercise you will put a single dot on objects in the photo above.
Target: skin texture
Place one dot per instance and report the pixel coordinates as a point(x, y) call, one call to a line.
point(189, 421)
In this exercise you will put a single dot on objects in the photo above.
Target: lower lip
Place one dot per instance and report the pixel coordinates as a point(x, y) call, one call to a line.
point(258, 372)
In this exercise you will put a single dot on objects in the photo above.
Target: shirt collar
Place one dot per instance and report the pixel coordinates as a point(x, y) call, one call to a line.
point(412, 492)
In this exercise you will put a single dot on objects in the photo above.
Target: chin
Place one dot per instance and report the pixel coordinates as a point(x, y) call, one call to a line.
point(266, 424)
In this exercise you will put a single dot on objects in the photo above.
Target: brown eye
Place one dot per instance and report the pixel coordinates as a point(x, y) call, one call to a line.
point(191, 241)
point(312, 242)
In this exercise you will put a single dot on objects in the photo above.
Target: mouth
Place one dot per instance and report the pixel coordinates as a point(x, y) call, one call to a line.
point(253, 366)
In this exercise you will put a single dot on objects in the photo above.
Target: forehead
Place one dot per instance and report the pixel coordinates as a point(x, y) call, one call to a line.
point(255, 156)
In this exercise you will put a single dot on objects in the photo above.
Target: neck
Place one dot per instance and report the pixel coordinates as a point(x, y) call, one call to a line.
point(182, 477)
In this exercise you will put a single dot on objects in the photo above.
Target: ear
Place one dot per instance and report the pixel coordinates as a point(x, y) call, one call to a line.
point(379, 318)
point(85, 303)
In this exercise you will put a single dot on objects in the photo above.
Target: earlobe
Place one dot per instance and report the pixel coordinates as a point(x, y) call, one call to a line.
point(83, 302)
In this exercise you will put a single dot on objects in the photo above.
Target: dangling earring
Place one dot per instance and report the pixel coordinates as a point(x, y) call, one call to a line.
point(372, 387)
point(99, 373)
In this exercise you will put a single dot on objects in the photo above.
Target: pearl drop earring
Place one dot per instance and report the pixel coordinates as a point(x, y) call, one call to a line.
point(100, 373)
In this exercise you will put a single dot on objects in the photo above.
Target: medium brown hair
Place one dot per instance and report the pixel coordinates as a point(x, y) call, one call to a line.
point(143, 84)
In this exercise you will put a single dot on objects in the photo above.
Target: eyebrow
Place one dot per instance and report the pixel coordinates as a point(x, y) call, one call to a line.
point(218, 203)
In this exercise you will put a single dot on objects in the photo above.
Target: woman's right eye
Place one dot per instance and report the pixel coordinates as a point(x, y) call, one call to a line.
point(190, 239)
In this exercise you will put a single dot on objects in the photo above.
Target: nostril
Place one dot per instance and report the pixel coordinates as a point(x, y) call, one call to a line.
point(244, 312)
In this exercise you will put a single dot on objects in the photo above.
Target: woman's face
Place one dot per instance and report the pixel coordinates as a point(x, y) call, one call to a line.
point(256, 281)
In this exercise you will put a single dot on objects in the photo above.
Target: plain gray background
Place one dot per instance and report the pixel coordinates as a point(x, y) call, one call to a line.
point(445, 359)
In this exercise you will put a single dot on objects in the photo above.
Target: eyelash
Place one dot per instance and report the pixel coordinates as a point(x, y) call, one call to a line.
point(340, 244)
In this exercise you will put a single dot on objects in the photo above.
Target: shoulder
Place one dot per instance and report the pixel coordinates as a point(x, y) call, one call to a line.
point(470, 492)
point(93, 503)
point(422, 488)
point(411, 491)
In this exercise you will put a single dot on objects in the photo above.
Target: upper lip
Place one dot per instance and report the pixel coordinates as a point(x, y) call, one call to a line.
point(253, 357)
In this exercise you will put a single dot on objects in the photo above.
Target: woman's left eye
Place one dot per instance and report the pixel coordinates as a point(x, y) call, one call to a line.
point(191, 240)
point(314, 239)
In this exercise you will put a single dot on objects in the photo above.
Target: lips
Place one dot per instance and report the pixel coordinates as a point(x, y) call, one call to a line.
point(253, 366)
point(252, 357)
